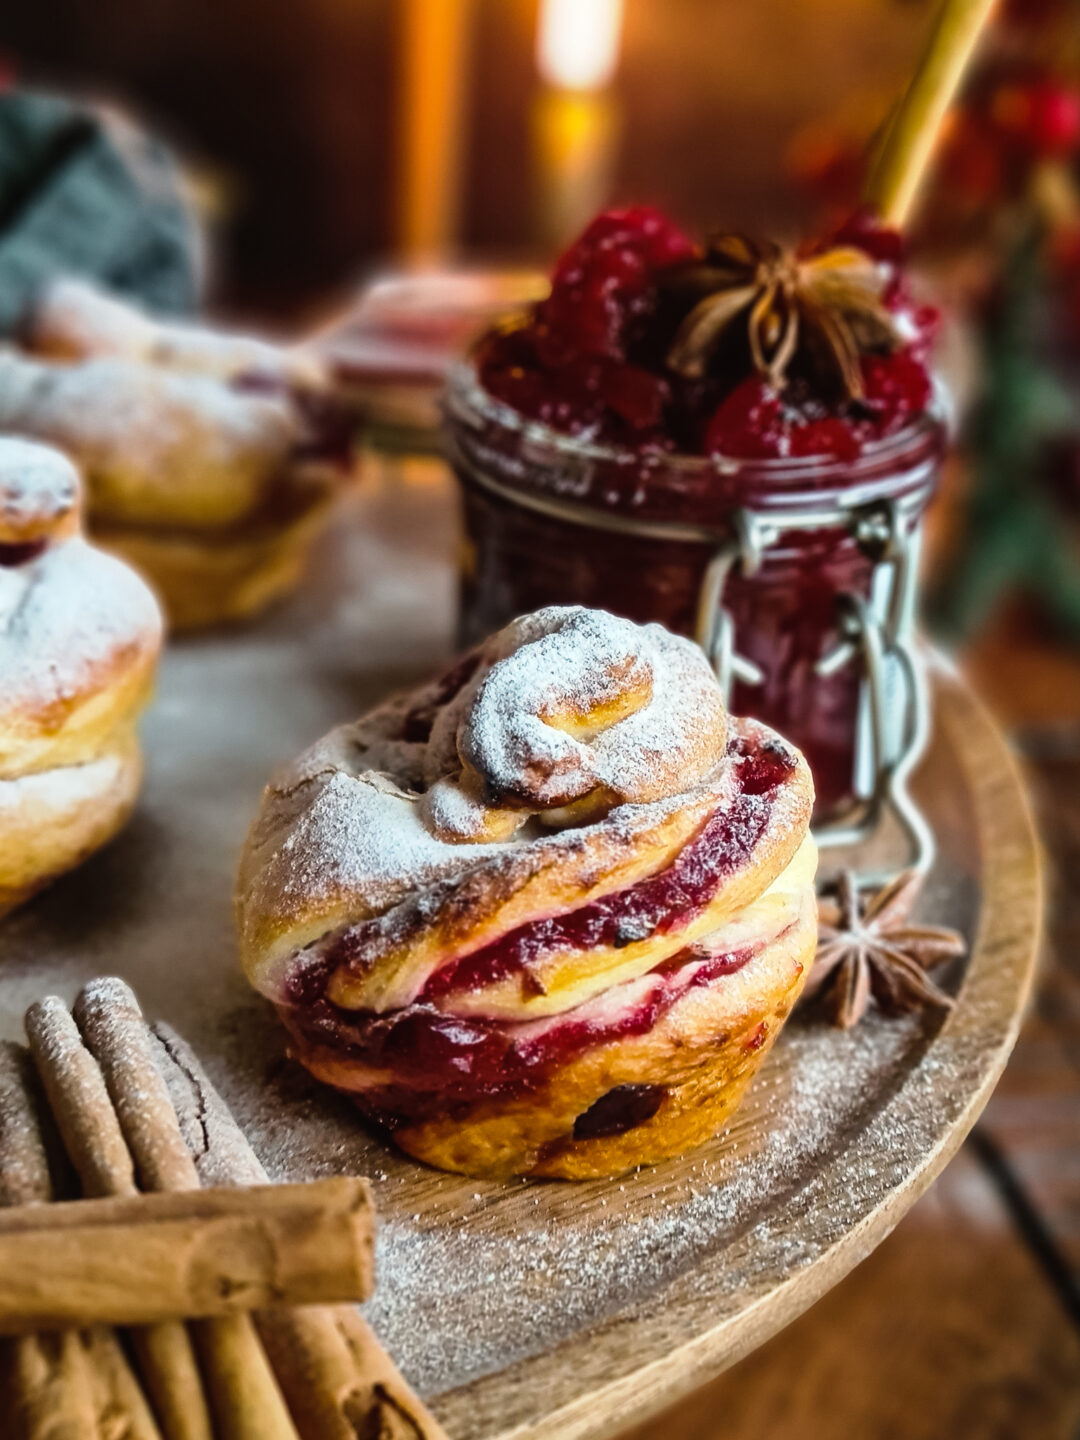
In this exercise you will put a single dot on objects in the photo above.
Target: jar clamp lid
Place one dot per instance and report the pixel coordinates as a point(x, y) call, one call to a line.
point(876, 634)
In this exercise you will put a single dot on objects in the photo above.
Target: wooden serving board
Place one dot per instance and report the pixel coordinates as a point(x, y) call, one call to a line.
point(536, 1310)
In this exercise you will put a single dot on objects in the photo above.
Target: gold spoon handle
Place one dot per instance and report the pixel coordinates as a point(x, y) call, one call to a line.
point(901, 162)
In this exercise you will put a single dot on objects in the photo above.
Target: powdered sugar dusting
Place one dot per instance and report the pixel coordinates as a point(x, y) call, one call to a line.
point(75, 319)
point(65, 617)
point(155, 445)
point(569, 661)
point(367, 839)
point(450, 811)
point(39, 488)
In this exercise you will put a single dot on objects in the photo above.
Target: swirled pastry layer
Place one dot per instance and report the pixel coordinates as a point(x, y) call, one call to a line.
point(209, 459)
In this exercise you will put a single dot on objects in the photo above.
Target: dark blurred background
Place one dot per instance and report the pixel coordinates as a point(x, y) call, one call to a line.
point(325, 139)
point(293, 112)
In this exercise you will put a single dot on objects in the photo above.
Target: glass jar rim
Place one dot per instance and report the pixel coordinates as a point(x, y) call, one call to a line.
point(466, 398)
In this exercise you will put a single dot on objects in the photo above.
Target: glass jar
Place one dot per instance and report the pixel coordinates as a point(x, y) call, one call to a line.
point(769, 563)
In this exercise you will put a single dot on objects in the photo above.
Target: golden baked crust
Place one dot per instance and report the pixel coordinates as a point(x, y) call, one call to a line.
point(544, 915)
point(53, 820)
point(205, 579)
point(209, 459)
point(79, 638)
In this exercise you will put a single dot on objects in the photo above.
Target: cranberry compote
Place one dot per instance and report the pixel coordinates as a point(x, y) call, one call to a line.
point(615, 437)
point(520, 554)
point(460, 1058)
point(655, 906)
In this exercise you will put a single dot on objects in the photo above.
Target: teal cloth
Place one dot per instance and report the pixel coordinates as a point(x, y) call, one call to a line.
point(84, 192)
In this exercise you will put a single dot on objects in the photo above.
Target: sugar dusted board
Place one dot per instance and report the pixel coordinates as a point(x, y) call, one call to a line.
point(545, 1310)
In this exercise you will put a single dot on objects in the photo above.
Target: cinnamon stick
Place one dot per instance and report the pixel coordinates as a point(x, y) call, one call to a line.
point(66, 1386)
point(47, 1379)
point(47, 1388)
point(122, 1409)
point(339, 1381)
point(137, 1260)
point(72, 1386)
point(95, 1144)
point(244, 1395)
point(25, 1174)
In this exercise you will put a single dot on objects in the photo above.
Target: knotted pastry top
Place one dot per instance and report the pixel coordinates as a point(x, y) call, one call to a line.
point(569, 713)
point(560, 812)
point(79, 631)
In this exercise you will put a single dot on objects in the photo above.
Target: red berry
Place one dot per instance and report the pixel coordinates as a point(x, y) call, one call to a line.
point(833, 436)
point(897, 389)
point(865, 231)
point(604, 281)
point(748, 424)
point(1042, 115)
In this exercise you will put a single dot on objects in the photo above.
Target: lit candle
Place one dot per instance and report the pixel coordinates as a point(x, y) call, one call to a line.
point(577, 43)
point(576, 118)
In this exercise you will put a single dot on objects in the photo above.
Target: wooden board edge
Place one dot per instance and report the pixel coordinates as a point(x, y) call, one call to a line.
point(999, 975)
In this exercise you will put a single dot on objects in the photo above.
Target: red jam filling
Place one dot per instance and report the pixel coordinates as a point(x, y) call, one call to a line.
point(591, 359)
point(462, 1058)
point(444, 1059)
point(651, 907)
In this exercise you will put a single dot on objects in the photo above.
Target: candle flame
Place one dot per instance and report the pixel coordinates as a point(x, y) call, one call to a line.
point(577, 45)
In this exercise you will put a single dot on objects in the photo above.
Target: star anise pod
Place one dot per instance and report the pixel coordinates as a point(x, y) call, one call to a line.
point(874, 949)
point(828, 307)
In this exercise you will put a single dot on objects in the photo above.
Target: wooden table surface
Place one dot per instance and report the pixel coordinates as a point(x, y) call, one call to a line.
point(965, 1323)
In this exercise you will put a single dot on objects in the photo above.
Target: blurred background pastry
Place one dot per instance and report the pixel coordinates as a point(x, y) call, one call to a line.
point(79, 639)
point(210, 460)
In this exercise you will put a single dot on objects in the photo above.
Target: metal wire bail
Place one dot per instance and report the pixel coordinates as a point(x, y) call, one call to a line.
point(887, 531)
point(715, 629)
point(889, 744)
